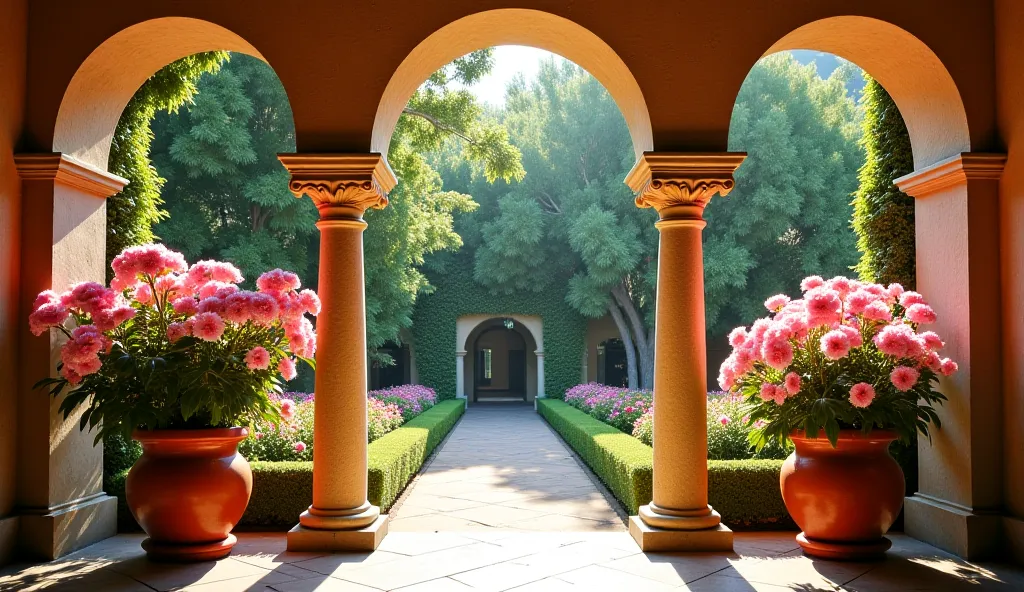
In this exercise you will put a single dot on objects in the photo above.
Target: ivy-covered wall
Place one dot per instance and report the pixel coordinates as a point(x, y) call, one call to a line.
point(456, 294)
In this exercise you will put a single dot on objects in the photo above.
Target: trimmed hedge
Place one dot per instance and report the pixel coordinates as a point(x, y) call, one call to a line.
point(624, 464)
point(283, 490)
point(745, 492)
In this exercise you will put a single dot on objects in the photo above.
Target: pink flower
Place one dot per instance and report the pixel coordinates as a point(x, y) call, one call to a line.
point(287, 409)
point(948, 367)
point(767, 391)
point(737, 337)
point(217, 271)
point(853, 335)
point(811, 282)
point(258, 435)
point(211, 304)
point(310, 301)
point(862, 394)
point(932, 340)
point(300, 447)
point(904, 377)
point(278, 280)
point(908, 299)
point(185, 305)
point(857, 301)
point(775, 303)
point(894, 291)
point(841, 285)
point(792, 383)
point(759, 424)
point(258, 358)
point(822, 306)
point(779, 396)
point(212, 289)
point(88, 297)
point(724, 420)
point(236, 307)
point(111, 318)
point(933, 362)
point(263, 308)
point(778, 353)
point(877, 311)
point(46, 316)
point(208, 326)
point(70, 375)
point(894, 340)
point(287, 368)
point(45, 297)
point(921, 314)
point(176, 331)
point(143, 294)
point(835, 344)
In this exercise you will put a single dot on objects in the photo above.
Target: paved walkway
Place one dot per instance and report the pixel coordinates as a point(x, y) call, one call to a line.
point(519, 561)
point(504, 468)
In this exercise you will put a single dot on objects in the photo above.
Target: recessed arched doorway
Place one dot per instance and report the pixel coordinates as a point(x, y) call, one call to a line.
point(499, 358)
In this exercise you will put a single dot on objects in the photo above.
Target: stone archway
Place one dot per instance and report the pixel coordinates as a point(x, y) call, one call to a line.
point(468, 328)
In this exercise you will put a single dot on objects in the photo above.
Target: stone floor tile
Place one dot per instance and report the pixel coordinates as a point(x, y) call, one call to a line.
point(337, 564)
point(437, 523)
point(555, 522)
point(797, 570)
point(716, 583)
point(496, 515)
point(596, 577)
point(437, 503)
point(322, 584)
point(672, 569)
point(551, 585)
point(168, 576)
point(928, 573)
point(430, 566)
point(438, 585)
point(419, 543)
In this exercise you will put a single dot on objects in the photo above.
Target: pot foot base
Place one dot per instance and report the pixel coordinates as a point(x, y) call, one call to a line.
point(187, 553)
point(844, 551)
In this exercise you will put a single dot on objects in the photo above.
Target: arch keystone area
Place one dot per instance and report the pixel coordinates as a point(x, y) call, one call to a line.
point(514, 26)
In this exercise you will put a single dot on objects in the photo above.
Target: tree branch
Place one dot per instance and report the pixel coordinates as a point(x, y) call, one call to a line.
point(440, 125)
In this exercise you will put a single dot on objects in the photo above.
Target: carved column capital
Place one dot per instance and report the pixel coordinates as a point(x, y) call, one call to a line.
point(666, 180)
point(340, 183)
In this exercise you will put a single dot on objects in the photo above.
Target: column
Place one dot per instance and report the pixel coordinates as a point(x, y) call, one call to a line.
point(460, 375)
point(960, 490)
point(342, 186)
point(60, 501)
point(679, 186)
point(540, 375)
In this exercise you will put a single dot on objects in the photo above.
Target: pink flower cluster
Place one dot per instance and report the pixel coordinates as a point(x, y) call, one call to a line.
point(411, 399)
point(844, 315)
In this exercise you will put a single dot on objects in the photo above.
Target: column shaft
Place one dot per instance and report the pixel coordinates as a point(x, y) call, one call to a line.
point(540, 375)
point(460, 375)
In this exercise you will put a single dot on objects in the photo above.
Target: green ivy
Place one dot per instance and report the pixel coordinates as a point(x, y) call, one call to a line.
point(456, 294)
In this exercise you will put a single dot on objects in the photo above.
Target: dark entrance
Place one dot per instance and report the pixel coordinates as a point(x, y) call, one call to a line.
point(383, 375)
point(611, 363)
point(499, 371)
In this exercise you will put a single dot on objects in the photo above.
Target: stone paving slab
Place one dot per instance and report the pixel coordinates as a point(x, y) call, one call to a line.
point(502, 467)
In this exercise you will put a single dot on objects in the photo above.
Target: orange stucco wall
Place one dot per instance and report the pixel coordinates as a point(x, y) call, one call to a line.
point(1010, 94)
point(12, 81)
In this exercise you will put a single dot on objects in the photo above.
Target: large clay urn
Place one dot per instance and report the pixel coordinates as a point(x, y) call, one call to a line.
point(843, 498)
point(188, 490)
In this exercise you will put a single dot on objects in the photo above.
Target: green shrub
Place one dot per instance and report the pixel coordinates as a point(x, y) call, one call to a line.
point(623, 463)
point(397, 456)
point(745, 492)
point(283, 490)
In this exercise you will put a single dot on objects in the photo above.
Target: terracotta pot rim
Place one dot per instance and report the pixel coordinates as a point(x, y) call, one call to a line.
point(848, 435)
point(197, 435)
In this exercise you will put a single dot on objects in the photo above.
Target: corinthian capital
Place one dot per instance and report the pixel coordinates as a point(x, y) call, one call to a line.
point(666, 179)
point(350, 181)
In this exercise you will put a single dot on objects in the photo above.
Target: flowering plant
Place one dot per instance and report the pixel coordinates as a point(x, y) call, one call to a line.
point(174, 346)
point(848, 354)
point(616, 406)
point(409, 399)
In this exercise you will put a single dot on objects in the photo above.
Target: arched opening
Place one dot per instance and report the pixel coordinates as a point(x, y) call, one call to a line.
point(499, 357)
point(513, 26)
point(114, 71)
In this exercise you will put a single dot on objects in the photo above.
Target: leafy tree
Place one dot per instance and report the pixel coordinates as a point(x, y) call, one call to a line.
point(572, 219)
point(883, 215)
point(789, 214)
point(132, 213)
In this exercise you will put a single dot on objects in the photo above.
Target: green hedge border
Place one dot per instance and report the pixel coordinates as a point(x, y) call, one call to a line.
point(283, 490)
point(745, 492)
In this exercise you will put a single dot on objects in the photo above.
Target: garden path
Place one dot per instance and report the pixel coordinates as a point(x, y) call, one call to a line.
point(502, 467)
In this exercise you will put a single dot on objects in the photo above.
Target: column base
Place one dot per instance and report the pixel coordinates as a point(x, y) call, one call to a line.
point(952, 527)
point(8, 538)
point(650, 539)
point(301, 538)
point(68, 528)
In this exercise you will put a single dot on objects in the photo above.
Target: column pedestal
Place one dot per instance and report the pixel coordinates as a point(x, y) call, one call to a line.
point(342, 187)
point(679, 517)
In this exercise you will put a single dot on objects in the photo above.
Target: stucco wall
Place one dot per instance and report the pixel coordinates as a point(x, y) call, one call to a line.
point(12, 81)
point(598, 331)
point(1010, 110)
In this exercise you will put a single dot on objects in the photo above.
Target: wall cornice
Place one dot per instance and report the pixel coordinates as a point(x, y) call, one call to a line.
point(956, 170)
point(65, 170)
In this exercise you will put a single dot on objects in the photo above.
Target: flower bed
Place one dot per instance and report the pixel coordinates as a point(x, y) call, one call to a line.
point(632, 412)
point(292, 439)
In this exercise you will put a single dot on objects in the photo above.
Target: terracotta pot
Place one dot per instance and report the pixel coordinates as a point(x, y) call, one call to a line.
point(188, 490)
point(843, 498)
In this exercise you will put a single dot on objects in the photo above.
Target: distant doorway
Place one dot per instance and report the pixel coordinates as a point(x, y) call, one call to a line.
point(387, 375)
point(611, 363)
point(499, 352)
